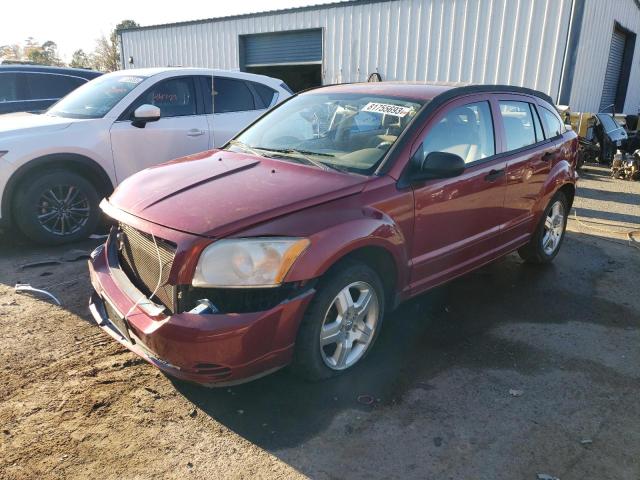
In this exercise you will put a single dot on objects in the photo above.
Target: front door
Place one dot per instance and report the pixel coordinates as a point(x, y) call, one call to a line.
point(182, 128)
point(458, 220)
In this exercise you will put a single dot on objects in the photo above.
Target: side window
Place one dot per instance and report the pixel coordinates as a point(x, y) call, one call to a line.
point(49, 86)
point(9, 88)
point(265, 93)
point(552, 124)
point(466, 131)
point(175, 97)
point(518, 124)
point(231, 95)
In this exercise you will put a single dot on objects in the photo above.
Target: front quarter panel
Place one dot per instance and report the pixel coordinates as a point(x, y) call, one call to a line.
point(381, 216)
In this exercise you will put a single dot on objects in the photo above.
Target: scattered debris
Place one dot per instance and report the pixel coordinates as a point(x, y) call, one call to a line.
point(25, 287)
point(516, 393)
point(240, 412)
point(586, 441)
point(366, 399)
point(189, 465)
point(193, 413)
point(437, 441)
point(545, 476)
point(75, 255)
point(40, 263)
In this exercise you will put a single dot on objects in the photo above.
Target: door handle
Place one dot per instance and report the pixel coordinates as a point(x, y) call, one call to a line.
point(493, 175)
point(195, 132)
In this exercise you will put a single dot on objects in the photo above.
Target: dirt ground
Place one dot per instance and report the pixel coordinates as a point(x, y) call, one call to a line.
point(506, 373)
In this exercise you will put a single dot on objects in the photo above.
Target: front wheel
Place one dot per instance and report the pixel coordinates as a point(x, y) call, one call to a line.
point(57, 207)
point(546, 240)
point(341, 323)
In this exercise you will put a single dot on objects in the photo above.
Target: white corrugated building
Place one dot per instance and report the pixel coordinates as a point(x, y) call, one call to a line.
point(581, 52)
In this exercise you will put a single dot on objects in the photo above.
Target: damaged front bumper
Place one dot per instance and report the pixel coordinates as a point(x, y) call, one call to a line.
point(210, 349)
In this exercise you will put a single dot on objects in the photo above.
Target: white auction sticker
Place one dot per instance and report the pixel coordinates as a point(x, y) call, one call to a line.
point(395, 110)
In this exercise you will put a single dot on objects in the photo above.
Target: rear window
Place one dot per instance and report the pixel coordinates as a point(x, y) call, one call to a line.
point(231, 95)
point(519, 127)
point(552, 124)
point(265, 94)
point(50, 86)
point(9, 87)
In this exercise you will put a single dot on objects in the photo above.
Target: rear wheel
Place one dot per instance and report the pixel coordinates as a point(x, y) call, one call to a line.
point(57, 207)
point(341, 323)
point(546, 240)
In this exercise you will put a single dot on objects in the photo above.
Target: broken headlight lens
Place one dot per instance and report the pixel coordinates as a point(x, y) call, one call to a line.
point(247, 262)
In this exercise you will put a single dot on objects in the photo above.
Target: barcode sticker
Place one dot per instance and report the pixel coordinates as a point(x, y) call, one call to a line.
point(395, 110)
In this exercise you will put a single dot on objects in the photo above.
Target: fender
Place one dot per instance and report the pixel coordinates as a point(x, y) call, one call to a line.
point(561, 174)
point(330, 245)
point(84, 165)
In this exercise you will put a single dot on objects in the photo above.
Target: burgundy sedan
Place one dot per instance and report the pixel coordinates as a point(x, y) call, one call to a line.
point(290, 244)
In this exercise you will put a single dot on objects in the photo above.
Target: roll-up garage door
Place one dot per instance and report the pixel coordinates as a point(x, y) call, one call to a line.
point(283, 48)
point(614, 70)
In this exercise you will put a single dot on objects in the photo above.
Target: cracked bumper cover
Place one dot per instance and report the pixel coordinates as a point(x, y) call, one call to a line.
point(210, 349)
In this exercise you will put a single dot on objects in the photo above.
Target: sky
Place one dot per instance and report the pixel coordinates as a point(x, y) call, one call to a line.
point(75, 24)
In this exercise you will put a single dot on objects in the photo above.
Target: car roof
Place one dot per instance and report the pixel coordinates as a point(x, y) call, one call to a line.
point(149, 72)
point(77, 72)
point(427, 91)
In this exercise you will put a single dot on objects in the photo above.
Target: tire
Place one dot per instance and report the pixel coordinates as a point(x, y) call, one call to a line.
point(41, 219)
point(313, 361)
point(537, 250)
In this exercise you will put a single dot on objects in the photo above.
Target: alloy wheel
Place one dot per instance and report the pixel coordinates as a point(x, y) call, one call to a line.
point(553, 228)
point(349, 326)
point(63, 210)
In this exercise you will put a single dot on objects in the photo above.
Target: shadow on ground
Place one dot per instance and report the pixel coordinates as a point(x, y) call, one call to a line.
point(447, 327)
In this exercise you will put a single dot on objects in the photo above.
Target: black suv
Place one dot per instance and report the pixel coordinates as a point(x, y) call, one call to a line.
point(34, 88)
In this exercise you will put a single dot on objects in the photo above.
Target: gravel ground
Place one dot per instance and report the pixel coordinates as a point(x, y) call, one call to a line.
point(505, 373)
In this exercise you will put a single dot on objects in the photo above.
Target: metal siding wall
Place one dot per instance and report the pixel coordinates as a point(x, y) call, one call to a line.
point(593, 53)
point(520, 42)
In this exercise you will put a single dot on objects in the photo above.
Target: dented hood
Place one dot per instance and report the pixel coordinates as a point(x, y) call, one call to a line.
point(217, 193)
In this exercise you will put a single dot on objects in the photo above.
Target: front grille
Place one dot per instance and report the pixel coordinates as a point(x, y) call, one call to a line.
point(138, 258)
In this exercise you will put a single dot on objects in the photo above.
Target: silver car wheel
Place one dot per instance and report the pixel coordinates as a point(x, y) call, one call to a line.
point(553, 228)
point(63, 210)
point(349, 325)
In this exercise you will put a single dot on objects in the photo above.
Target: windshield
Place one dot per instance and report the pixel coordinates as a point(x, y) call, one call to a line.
point(95, 98)
point(350, 132)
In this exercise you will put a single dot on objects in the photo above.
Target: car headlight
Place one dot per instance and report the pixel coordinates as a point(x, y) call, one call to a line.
point(247, 262)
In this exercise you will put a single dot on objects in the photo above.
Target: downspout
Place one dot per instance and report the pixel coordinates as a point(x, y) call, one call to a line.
point(571, 52)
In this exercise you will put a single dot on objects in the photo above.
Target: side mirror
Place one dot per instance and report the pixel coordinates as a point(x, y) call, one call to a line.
point(438, 165)
point(144, 114)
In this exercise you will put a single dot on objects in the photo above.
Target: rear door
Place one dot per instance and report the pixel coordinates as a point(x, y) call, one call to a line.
point(231, 104)
point(529, 154)
point(182, 128)
point(458, 220)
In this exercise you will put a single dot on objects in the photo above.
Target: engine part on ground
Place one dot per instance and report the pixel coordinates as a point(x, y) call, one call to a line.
point(625, 166)
point(25, 287)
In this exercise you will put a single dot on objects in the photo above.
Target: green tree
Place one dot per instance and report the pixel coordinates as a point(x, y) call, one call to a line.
point(11, 52)
point(45, 54)
point(80, 59)
point(107, 52)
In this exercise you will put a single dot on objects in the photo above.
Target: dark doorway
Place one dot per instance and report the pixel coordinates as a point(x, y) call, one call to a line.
point(614, 91)
point(298, 77)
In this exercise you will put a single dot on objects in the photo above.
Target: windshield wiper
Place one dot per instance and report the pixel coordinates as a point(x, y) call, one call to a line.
point(304, 154)
point(245, 147)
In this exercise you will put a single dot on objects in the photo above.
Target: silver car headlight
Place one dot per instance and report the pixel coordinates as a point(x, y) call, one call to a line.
point(247, 262)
